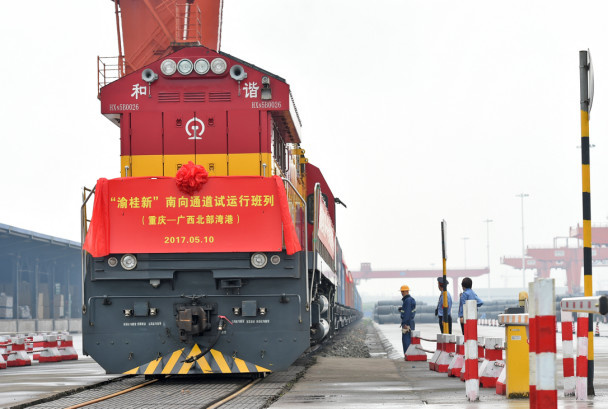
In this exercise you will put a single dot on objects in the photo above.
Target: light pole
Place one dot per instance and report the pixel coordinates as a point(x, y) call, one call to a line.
point(464, 241)
point(523, 248)
point(487, 222)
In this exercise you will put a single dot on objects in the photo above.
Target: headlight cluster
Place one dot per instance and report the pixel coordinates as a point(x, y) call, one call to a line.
point(127, 261)
point(201, 66)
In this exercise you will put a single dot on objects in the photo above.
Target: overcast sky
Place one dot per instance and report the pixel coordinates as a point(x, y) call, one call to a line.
point(415, 111)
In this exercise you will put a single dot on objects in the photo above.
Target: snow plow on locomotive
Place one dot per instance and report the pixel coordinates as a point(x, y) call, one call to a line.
point(215, 251)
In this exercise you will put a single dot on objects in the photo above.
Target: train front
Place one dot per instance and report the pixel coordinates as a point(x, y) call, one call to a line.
point(198, 269)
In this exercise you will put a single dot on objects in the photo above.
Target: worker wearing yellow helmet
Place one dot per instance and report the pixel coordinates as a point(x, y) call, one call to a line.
point(408, 313)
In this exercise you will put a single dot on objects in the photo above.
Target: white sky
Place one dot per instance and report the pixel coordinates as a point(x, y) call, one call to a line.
point(415, 112)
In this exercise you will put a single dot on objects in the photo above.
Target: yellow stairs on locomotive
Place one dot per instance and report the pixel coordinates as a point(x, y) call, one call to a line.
point(212, 362)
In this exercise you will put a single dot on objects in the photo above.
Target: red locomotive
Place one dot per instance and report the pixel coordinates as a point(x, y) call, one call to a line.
point(205, 256)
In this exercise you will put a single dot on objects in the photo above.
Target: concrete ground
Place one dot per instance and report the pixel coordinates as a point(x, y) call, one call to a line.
point(390, 383)
point(26, 383)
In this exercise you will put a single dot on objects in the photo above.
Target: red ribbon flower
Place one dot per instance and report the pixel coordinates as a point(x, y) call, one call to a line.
point(190, 178)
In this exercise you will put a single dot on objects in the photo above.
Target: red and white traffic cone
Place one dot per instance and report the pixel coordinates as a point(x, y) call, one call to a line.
point(449, 349)
point(493, 363)
point(18, 356)
point(413, 353)
point(68, 353)
point(50, 353)
point(501, 382)
point(437, 353)
point(458, 360)
point(5, 345)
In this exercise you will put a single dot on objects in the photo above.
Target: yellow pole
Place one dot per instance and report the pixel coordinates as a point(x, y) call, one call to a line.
point(584, 65)
point(446, 327)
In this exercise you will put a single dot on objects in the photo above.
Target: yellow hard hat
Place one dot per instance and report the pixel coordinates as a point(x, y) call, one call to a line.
point(405, 288)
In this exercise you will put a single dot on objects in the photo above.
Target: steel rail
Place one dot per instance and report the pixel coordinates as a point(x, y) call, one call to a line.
point(233, 395)
point(80, 405)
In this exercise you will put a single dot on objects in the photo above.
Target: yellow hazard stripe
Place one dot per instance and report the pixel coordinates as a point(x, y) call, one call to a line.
point(187, 365)
point(152, 366)
point(587, 234)
point(241, 365)
point(586, 178)
point(172, 361)
point(590, 346)
point(221, 362)
point(260, 369)
point(174, 366)
point(584, 123)
point(202, 362)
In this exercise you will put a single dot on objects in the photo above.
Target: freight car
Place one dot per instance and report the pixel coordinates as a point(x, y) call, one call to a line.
point(215, 251)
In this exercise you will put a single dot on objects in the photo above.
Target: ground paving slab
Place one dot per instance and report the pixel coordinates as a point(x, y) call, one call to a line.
point(350, 383)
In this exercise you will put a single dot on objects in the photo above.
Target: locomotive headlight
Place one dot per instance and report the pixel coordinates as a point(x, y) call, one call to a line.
point(168, 67)
point(112, 261)
point(128, 261)
point(201, 66)
point(185, 66)
point(218, 66)
point(276, 259)
point(263, 311)
point(259, 260)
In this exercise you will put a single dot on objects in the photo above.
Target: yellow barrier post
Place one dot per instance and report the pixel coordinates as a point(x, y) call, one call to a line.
point(516, 354)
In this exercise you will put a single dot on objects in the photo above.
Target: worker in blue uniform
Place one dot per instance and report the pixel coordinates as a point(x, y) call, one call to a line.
point(439, 309)
point(467, 294)
point(408, 313)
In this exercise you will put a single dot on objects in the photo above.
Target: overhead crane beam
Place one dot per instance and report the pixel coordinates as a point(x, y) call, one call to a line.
point(453, 274)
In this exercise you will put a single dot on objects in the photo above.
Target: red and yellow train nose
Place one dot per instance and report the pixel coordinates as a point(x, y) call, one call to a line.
point(179, 363)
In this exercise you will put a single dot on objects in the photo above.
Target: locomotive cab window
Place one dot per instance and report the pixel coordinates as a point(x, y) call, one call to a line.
point(279, 150)
point(310, 204)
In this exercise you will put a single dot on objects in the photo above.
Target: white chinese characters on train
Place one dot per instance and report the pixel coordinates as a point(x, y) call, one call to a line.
point(251, 89)
point(138, 90)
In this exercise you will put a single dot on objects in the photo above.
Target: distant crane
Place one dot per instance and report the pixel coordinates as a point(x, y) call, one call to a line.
point(453, 274)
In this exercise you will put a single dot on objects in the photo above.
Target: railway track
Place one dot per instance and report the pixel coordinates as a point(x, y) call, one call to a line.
point(139, 392)
point(216, 391)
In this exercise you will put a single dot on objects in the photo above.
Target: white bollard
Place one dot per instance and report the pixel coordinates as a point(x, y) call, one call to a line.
point(471, 377)
point(546, 386)
point(568, 352)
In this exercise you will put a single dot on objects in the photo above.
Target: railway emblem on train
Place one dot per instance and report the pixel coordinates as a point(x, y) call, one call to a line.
point(195, 128)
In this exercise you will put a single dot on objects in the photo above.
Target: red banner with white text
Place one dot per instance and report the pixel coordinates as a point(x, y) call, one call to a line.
point(228, 214)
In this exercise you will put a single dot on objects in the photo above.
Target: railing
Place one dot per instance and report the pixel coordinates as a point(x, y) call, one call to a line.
point(188, 24)
point(109, 69)
point(297, 209)
point(84, 227)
